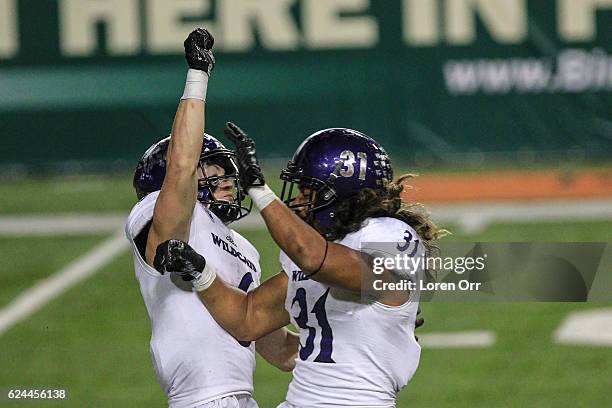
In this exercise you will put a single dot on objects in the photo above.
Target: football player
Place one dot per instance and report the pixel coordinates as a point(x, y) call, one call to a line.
point(357, 349)
point(189, 188)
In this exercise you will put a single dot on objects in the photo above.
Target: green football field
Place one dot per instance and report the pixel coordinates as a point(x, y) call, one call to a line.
point(93, 339)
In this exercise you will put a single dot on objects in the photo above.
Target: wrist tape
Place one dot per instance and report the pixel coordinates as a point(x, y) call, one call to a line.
point(196, 85)
point(261, 196)
point(205, 280)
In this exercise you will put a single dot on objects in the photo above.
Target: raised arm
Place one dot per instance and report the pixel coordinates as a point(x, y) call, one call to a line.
point(174, 206)
point(323, 261)
point(327, 262)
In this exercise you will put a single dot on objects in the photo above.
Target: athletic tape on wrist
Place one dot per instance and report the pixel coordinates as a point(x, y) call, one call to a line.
point(196, 85)
point(261, 196)
point(205, 280)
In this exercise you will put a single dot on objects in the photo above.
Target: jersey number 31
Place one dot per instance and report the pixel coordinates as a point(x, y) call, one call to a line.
point(327, 337)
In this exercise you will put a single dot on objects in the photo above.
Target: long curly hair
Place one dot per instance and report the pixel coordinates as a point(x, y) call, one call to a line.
point(352, 211)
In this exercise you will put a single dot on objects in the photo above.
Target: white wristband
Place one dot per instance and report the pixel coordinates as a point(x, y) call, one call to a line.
point(196, 85)
point(261, 196)
point(205, 280)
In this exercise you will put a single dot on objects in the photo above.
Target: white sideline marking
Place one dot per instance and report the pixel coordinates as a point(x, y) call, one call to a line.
point(37, 296)
point(80, 224)
point(587, 328)
point(469, 216)
point(476, 217)
point(464, 339)
point(60, 224)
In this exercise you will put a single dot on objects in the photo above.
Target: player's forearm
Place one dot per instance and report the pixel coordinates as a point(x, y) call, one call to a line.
point(287, 350)
point(290, 350)
point(187, 137)
point(186, 140)
point(302, 243)
point(188, 126)
point(174, 206)
point(229, 307)
point(279, 348)
point(343, 267)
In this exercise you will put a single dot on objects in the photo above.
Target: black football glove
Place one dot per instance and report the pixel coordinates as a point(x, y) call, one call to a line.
point(198, 50)
point(418, 322)
point(250, 172)
point(176, 256)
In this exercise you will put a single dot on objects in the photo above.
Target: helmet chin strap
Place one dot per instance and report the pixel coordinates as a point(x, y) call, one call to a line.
point(332, 180)
point(327, 193)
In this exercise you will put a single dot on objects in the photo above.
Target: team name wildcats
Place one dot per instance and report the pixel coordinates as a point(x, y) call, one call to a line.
point(221, 243)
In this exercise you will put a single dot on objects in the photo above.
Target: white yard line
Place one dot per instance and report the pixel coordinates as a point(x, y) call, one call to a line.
point(464, 339)
point(476, 217)
point(81, 224)
point(586, 328)
point(43, 292)
point(471, 217)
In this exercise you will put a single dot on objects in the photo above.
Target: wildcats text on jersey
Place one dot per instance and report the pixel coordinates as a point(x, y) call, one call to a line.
point(221, 243)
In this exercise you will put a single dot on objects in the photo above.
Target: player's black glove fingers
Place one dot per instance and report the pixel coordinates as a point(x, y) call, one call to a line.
point(160, 262)
point(165, 259)
point(245, 146)
point(176, 256)
point(198, 50)
point(205, 38)
point(419, 321)
point(234, 133)
point(246, 155)
point(255, 178)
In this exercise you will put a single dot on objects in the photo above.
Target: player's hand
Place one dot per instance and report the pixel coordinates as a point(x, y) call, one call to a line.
point(250, 171)
point(176, 256)
point(198, 50)
point(418, 322)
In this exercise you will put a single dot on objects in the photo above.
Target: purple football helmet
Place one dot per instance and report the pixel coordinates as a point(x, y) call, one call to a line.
point(151, 170)
point(332, 164)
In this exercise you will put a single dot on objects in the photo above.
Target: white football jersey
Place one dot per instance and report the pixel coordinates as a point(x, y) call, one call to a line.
point(353, 353)
point(195, 359)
